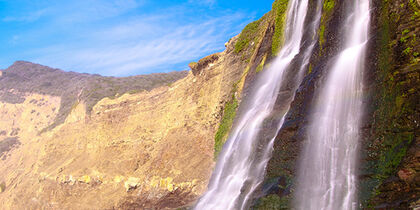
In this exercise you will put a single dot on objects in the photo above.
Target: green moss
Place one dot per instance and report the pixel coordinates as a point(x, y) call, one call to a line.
point(415, 8)
point(395, 113)
point(321, 35)
point(225, 125)
point(328, 5)
point(395, 150)
point(280, 11)
point(272, 202)
point(406, 31)
point(327, 9)
point(247, 35)
point(399, 101)
point(407, 51)
point(260, 67)
point(404, 38)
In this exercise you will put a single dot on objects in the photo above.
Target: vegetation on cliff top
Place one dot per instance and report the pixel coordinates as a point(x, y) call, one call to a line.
point(247, 35)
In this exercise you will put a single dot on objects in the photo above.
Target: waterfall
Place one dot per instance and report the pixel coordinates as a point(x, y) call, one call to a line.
point(241, 164)
point(327, 175)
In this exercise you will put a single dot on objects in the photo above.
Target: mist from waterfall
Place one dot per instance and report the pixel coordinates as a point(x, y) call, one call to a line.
point(241, 164)
point(327, 178)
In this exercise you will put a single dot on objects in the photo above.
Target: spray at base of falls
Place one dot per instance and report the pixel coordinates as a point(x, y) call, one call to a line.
point(241, 164)
point(327, 175)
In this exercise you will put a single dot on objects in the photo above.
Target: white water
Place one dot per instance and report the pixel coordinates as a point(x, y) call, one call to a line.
point(327, 176)
point(241, 165)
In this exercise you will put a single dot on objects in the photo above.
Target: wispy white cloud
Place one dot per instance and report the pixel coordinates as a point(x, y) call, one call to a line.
point(92, 10)
point(75, 11)
point(119, 38)
point(30, 17)
point(209, 3)
point(143, 44)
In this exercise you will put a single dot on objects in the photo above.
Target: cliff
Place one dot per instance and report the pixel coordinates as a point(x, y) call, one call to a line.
point(79, 141)
point(389, 164)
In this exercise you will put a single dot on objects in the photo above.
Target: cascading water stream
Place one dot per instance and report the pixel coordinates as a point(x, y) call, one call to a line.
point(241, 164)
point(327, 174)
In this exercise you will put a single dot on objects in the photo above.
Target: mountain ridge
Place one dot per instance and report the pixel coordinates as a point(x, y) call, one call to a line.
point(25, 76)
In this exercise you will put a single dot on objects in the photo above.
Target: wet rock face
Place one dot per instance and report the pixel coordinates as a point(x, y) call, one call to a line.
point(389, 141)
point(289, 140)
point(390, 163)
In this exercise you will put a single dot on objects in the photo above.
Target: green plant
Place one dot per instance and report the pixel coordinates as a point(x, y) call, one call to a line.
point(280, 11)
point(260, 67)
point(327, 9)
point(247, 35)
point(329, 5)
point(222, 133)
point(272, 202)
point(407, 51)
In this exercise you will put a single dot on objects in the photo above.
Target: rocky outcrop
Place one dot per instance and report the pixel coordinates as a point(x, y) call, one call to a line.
point(196, 68)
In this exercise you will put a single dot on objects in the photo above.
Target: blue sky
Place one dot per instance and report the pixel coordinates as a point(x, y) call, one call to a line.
point(120, 37)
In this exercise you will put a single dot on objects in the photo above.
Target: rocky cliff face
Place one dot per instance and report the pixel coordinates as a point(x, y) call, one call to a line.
point(79, 141)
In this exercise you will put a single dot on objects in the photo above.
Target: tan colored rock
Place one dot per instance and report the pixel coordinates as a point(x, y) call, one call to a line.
point(85, 179)
point(2, 187)
point(132, 183)
point(118, 179)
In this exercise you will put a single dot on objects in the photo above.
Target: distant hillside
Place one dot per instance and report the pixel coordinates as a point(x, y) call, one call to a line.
point(73, 87)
